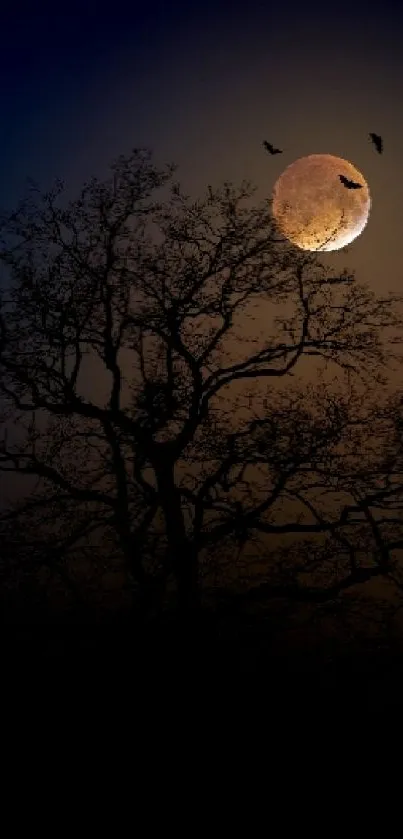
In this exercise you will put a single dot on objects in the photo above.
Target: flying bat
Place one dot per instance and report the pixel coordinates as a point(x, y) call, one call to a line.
point(271, 149)
point(377, 141)
point(349, 184)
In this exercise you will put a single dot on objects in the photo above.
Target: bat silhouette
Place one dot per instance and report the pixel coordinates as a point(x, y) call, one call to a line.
point(349, 184)
point(377, 141)
point(271, 149)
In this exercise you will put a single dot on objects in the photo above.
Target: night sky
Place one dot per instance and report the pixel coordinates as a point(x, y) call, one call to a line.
point(203, 85)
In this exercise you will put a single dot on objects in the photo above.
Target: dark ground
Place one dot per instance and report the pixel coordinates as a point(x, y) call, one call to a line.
point(78, 657)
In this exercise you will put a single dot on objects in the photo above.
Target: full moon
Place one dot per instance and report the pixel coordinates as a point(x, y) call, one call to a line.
point(314, 210)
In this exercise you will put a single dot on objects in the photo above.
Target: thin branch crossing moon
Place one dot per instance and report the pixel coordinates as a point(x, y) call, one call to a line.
point(314, 210)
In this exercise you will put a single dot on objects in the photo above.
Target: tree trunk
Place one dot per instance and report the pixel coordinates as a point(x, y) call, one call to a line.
point(182, 555)
point(150, 589)
point(187, 580)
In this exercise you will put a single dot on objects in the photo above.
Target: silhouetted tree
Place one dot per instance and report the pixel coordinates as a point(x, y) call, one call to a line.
point(124, 328)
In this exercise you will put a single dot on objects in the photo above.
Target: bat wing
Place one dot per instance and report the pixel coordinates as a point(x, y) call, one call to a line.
point(377, 141)
point(349, 184)
point(271, 148)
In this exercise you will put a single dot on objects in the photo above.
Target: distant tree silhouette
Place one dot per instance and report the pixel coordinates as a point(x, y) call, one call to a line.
point(140, 295)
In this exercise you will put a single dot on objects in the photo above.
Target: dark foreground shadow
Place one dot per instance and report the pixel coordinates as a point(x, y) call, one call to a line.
point(114, 658)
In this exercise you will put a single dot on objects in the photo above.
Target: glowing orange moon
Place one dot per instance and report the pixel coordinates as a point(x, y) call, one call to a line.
point(314, 210)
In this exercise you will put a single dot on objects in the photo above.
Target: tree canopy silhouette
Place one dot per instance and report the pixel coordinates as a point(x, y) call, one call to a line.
point(128, 351)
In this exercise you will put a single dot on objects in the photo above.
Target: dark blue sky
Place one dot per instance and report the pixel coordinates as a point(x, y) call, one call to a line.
point(203, 84)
